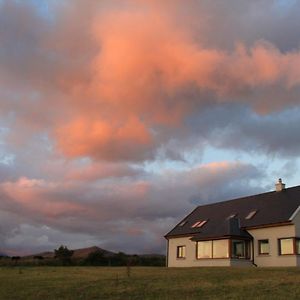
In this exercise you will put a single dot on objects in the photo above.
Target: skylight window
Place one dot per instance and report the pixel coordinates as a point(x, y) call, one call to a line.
point(199, 224)
point(251, 214)
point(182, 223)
point(231, 216)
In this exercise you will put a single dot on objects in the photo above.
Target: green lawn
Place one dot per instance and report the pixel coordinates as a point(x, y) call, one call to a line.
point(148, 283)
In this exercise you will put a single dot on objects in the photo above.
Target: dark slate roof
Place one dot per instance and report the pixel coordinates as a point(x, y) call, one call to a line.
point(272, 208)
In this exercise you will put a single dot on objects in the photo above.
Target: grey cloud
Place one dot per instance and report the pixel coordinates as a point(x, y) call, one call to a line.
point(224, 23)
point(238, 128)
point(44, 61)
point(133, 217)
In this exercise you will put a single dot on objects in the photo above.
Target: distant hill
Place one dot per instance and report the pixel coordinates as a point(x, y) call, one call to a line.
point(84, 252)
point(78, 253)
point(148, 256)
point(100, 257)
point(46, 254)
point(152, 255)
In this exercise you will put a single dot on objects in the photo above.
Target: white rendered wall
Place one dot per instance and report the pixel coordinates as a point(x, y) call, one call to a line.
point(191, 261)
point(296, 221)
point(273, 258)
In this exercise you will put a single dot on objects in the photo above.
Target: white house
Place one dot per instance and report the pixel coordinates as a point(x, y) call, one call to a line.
point(261, 230)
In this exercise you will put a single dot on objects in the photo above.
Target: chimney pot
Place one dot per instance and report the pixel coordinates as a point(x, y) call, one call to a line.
point(279, 186)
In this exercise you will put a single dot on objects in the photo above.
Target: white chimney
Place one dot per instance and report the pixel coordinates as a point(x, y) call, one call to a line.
point(279, 185)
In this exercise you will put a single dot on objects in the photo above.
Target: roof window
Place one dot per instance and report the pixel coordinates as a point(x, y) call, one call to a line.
point(251, 214)
point(199, 224)
point(182, 223)
point(231, 216)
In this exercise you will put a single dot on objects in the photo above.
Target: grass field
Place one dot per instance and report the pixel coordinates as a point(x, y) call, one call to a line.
point(148, 283)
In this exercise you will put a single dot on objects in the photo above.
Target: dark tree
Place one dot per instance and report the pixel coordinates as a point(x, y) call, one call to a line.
point(63, 254)
point(38, 257)
point(15, 259)
point(120, 259)
point(96, 258)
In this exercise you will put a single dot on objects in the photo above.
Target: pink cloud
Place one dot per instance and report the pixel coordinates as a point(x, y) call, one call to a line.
point(98, 171)
point(143, 65)
point(113, 214)
point(34, 195)
point(123, 82)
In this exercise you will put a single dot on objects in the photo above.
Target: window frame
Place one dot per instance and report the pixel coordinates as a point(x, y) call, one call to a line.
point(251, 214)
point(259, 243)
point(211, 251)
point(178, 251)
point(228, 249)
point(295, 250)
point(231, 216)
point(247, 251)
point(199, 224)
point(181, 224)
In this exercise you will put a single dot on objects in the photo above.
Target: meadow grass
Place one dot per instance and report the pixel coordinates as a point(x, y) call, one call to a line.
point(148, 283)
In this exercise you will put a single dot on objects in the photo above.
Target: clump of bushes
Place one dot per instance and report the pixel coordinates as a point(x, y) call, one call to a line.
point(99, 258)
point(63, 254)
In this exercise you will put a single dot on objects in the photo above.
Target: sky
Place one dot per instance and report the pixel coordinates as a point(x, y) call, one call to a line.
point(119, 117)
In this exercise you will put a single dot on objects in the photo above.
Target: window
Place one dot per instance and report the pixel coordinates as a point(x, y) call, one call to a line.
point(286, 246)
point(180, 251)
point(212, 249)
point(289, 246)
point(251, 214)
point(204, 249)
point(231, 216)
point(297, 246)
point(239, 249)
point(182, 223)
point(199, 224)
point(263, 247)
point(220, 249)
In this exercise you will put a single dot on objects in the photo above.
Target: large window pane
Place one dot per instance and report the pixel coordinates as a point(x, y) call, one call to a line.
point(238, 249)
point(286, 246)
point(204, 249)
point(220, 248)
point(298, 246)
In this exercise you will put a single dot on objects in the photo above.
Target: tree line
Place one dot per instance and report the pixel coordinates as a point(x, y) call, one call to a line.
point(100, 258)
point(64, 256)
